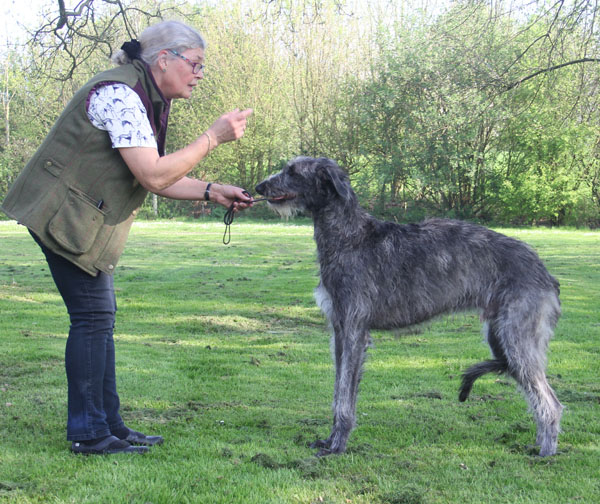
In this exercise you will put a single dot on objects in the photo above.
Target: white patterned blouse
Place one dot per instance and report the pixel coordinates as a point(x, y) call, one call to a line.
point(117, 109)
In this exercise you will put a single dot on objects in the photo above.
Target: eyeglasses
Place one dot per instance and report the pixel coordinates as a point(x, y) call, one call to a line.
point(196, 67)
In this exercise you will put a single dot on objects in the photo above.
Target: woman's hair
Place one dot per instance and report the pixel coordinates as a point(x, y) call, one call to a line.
point(164, 35)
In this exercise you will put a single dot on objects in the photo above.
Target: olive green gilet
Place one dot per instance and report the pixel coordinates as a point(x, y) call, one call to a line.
point(76, 193)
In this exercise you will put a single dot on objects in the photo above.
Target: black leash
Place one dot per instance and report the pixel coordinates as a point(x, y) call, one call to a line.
point(228, 219)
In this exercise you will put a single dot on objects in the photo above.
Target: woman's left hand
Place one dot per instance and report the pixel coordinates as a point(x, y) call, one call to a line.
point(227, 195)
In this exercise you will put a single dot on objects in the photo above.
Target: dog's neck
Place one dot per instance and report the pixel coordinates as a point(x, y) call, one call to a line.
point(337, 224)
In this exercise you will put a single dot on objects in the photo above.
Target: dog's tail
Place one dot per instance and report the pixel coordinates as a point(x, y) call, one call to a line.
point(474, 372)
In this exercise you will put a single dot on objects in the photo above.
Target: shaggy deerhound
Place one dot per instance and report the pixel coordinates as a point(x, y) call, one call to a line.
point(381, 275)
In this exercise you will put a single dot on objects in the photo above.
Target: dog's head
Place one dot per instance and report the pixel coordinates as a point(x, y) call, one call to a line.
point(306, 184)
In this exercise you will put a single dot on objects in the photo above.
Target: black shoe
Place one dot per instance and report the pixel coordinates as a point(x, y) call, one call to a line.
point(137, 438)
point(109, 445)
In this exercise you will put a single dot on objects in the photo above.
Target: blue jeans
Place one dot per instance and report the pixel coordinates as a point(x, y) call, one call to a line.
point(93, 402)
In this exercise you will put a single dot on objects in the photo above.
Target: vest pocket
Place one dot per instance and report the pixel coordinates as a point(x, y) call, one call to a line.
point(77, 222)
point(54, 167)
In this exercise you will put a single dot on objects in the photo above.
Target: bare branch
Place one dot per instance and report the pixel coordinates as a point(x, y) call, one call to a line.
point(550, 69)
point(91, 26)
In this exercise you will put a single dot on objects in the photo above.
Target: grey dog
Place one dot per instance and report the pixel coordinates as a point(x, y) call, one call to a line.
point(382, 275)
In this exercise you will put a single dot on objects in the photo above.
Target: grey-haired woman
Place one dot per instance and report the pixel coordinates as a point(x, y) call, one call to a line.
point(80, 192)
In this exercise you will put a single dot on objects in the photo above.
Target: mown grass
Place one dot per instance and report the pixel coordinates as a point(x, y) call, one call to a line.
point(223, 351)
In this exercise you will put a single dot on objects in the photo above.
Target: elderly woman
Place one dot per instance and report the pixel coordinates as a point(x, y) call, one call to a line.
point(80, 192)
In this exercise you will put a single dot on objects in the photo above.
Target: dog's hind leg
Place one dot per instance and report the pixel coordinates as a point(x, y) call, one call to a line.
point(349, 354)
point(547, 411)
point(525, 340)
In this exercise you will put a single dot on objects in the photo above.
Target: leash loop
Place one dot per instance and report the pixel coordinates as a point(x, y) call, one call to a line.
point(227, 220)
point(229, 216)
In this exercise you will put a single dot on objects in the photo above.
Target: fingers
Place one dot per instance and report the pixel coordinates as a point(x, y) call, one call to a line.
point(242, 199)
point(240, 121)
point(241, 114)
point(237, 206)
point(231, 126)
point(228, 195)
point(242, 196)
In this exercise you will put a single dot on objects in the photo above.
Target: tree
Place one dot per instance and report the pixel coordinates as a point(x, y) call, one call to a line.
point(93, 28)
point(484, 109)
point(444, 126)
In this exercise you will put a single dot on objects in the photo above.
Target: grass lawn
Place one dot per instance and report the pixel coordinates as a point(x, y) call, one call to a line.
point(222, 350)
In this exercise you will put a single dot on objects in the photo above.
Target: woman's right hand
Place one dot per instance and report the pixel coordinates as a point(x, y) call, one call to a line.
point(228, 127)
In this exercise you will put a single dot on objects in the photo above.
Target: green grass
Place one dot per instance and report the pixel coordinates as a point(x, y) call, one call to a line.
point(223, 351)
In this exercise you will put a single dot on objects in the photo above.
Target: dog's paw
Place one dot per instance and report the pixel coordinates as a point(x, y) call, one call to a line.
point(323, 452)
point(326, 447)
point(321, 443)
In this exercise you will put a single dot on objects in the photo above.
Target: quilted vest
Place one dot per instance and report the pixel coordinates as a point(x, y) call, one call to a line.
point(76, 193)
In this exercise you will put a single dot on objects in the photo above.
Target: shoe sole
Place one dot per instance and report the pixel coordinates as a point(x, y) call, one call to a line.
point(108, 446)
point(131, 449)
point(146, 443)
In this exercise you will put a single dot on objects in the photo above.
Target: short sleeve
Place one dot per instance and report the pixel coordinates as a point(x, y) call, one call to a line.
point(117, 109)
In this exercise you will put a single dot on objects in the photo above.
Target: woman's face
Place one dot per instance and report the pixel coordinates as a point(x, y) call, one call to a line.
point(178, 79)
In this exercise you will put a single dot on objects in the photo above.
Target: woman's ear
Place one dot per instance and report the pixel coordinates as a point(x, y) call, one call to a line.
point(161, 61)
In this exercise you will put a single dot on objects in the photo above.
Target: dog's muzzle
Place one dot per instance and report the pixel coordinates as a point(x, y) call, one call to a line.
point(280, 199)
point(262, 190)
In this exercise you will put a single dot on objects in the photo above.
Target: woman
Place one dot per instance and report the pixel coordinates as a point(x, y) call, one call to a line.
point(79, 194)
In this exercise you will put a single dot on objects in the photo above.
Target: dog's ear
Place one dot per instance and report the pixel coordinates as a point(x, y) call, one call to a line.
point(336, 177)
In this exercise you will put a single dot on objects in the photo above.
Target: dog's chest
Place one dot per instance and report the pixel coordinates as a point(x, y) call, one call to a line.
point(323, 299)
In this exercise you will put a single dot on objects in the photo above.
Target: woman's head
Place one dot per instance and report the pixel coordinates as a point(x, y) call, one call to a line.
point(162, 36)
point(175, 54)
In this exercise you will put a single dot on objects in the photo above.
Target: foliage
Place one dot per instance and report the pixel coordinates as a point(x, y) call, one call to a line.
point(446, 136)
point(223, 351)
point(476, 109)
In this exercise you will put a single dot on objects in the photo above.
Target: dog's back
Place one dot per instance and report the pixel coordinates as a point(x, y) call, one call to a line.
point(436, 266)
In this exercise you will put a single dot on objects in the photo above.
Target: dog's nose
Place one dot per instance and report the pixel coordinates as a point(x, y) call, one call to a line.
point(260, 188)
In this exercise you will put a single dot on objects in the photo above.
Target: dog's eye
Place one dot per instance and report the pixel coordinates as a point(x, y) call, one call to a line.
point(292, 171)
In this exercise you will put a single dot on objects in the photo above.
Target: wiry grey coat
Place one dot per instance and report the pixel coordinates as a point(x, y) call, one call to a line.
point(381, 275)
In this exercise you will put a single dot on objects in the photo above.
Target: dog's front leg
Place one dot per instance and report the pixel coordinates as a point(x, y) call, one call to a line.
point(349, 355)
point(336, 353)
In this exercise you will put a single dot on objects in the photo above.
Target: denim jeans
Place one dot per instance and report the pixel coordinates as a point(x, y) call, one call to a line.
point(93, 402)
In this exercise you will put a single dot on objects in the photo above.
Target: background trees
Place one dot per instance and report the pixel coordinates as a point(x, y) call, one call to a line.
point(480, 109)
